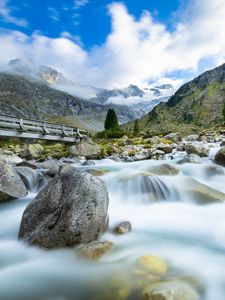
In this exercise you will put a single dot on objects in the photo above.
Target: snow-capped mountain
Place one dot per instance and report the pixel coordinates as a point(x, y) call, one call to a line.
point(130, 103)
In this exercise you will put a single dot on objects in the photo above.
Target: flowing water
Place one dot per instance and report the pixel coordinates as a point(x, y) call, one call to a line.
point(171, 217)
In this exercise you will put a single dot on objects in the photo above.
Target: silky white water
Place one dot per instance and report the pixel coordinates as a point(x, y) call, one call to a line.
point(167, 221)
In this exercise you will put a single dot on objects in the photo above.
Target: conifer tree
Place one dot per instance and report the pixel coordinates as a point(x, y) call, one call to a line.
point(136, 128)
point(111, 121)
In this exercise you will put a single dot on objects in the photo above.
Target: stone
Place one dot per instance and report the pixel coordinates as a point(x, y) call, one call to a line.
point(173, 136)
point(88, 163)
point(165, 147)
point(214, 170)
point(94, 250)
point(170, 290)
point(192, 137)
point(220, 156)
point(123, 227)
point(51, 166)
point(196, 149)
point(71, 209)
point(152, 264)
point(156, 154)
point(201, 193)
point(11, 159)
point(33, 151)
point(27, 164)
point(32, 179)
point(154, 140)
point(163, 169)
point(191, 158)
point(85, 148)
point(11, 185)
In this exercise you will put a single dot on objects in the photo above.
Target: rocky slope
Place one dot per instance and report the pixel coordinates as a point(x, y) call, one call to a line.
point(129, 103)
point(196, 105)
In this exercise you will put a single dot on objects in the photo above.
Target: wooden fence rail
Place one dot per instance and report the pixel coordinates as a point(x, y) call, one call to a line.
point(33, 129)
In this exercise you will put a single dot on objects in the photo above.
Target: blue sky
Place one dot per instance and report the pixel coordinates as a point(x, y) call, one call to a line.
point(111, 43)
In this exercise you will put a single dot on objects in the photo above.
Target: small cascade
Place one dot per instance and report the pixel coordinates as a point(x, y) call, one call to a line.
point(140, 187)
point(34, 180)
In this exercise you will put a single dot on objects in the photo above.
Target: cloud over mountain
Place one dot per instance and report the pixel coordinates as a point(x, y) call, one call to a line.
point(135, 51)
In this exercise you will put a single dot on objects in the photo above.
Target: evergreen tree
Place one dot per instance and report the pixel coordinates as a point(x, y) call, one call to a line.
point(224, 111)
point(136, 128)
point(111, 121)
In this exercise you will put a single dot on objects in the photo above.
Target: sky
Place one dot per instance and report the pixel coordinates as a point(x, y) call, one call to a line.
point(116, 43)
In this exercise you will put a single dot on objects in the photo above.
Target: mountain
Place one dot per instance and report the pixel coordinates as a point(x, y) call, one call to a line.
point(130, 103)
point(196, 105)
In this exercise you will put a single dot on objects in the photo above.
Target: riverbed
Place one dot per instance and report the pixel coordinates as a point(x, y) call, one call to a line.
point(168, 220)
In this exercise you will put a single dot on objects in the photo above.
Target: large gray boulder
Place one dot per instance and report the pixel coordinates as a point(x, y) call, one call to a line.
point(70, 210)
point(220, 156)
point(33, 151)
point(196, 149)
point(11, 185)
point(86, 148)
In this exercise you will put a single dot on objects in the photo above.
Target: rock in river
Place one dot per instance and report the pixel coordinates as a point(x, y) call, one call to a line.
point(70, 210)
point(11, 185)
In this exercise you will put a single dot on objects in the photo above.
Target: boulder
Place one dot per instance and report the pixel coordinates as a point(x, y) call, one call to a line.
point(33, 151)
point(170, 290)
point(173, 136)
point(154, 140)
point(192, 137)
point(214, 170)
point(51, 166)
point(220, 156)
point(32, 179)
point(152, 264)
point(162, 169)
point(167, 148)
point(71, 209)
point(85, 148)
point(11, 159)
point(88, 163)
point(27, 164)
point(191, 158)
point(94, 250)
point(11, 185)
point(122, 228)
point(196, 149)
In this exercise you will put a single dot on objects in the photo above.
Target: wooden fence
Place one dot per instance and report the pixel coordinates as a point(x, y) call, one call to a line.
point(33, 129)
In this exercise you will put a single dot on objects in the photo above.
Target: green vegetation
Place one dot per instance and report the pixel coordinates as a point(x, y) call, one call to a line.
point(136, 128)
point(111, 121)
point(224, 110)
point(112, 128)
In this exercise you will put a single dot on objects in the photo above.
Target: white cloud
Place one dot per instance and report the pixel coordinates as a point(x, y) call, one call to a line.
point(6, 13)
point(80, 3)
point(54, 14)
point(135, 51)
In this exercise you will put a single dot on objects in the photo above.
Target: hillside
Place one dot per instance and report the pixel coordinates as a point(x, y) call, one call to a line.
point(196, 105)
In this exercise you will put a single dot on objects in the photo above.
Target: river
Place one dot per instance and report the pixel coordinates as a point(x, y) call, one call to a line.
point(168, 220)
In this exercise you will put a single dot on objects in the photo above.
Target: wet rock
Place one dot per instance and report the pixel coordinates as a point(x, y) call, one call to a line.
point(122, 228)
point(220, 156)
point(170, 290)
point(213, 170)
point(86, 148)
point(97, 172)
point(202, 193)
point(174, 136)
point(191, 158)
point(115, 158)
point(51, 166)
point(156, 154)
point(27, 164)
point(196, 149)
point(33, 151)
point(70, 210)
point(128, 159)
point(88, 163)
point(163, 169)
point(32, 179)
point(72, 160)
point(11, 185)
point(138, 157)
point(192, 137)
point(166, 148)
point(11, 159)
point(94, 250)
point(153, 264)
point(154, 140)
